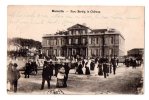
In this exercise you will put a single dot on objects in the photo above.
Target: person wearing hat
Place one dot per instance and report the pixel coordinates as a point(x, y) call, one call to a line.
point(10, 76)
point(46, 75)
point(27, 69)
point(67, 68)
point(15, 77)
point(80, 71)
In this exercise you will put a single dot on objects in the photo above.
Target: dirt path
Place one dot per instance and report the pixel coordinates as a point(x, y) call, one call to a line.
point(126, 81)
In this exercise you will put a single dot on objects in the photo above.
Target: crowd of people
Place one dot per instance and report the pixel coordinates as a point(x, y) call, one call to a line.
point(99, 66)
point(102, 66)
point(134, 62)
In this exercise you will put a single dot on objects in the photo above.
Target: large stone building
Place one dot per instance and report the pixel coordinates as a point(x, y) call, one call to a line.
point(82, 41)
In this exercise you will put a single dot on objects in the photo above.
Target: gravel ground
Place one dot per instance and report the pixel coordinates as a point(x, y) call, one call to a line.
point(126, 81)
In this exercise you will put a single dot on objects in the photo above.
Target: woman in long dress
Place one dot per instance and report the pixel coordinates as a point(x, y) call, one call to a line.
point(83, 68)
point(87, 70)
point(80, 71)
point(96, 68)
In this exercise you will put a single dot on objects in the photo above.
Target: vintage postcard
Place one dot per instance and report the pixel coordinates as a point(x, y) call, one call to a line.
point(82, 50)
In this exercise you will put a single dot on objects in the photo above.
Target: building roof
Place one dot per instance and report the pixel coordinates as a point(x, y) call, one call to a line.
point(99, 30)
point(93, 31)
point(78, 26)
point(136, 49)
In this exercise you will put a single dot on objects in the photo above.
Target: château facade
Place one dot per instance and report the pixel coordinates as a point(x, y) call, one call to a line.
point(85, 42)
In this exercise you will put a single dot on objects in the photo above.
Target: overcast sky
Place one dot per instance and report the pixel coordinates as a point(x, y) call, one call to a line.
point(34, 21)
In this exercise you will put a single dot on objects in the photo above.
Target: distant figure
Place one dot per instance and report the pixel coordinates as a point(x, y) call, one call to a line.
point(114, 65)
point(34, 66)
point(57, 65)
point(134, 63)
point(83, 62)
point(46, 75)
point(100, 70)
point(96, 68)
point(105, 69)
point(27, 69)
point(51, 67)
point(87, 71)
point(79, 70)
point(92, 65)
point(127, 62)
point(76, 67)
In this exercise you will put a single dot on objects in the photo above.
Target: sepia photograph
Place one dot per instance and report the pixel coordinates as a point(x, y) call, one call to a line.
point(75, 50)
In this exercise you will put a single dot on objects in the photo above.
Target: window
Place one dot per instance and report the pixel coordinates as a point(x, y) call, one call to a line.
point(77, 32)
point(47, 52)
point(47, 42)
point(54, 42)
point(96, 52)
point(92, 40)
point(74, 32)
point(69, 41)
point(97, 40)
point(59, 41)
point(62, 41)
point(54, 52)
point(83, 31)
point(83, 41)
point(89, 40)
point(51, 42)
point(80, 31)
point(111, 40)
point(76, 41)
point(69, 32)
point(89, 52)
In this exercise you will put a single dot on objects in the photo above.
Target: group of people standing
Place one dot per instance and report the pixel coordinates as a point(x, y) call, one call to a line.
point(61, 72)
point(102, 66)
point(12, 77)
point(134, 62)
point(30, 66)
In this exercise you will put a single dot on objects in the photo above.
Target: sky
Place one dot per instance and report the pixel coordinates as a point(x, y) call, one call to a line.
point(33, 22)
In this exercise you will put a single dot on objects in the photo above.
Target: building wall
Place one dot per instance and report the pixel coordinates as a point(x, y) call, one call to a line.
point(113, 45)
point(121, 46)
point(83, 41)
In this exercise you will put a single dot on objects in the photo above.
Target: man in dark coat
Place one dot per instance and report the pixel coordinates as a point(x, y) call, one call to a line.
point(92, 65)
point(114, 65)
point(87, 71)
point(105, 67)
point(27, 69)
point(67, 68)
point(46, 74)
point(51, 69)
point(34, 66)
point(57, 65)
point(16, 77)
